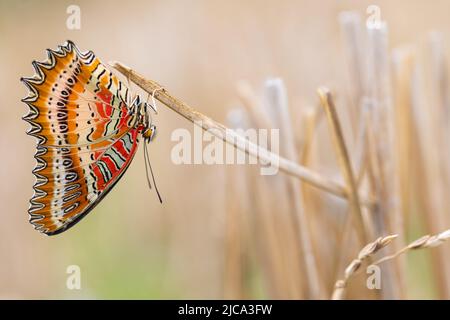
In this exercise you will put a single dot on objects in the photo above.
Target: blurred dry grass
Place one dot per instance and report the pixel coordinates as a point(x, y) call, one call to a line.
point(210, 239)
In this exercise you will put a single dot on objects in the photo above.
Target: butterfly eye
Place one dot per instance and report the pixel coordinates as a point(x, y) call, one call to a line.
point(153, 129)
point(150, 133)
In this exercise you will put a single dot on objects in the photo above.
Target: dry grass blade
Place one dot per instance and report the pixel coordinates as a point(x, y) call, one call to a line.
point(229, 136)
point(344, 161)
point(277, 101)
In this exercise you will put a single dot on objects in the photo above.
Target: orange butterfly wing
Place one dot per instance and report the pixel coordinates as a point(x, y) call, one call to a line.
point(87, 136)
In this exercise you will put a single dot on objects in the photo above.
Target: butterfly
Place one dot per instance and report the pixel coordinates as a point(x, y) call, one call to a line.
point(88, 126)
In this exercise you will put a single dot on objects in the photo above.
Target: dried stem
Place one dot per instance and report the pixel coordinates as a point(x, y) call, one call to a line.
point(276, 239)
point(351, 27)
point(386, 218)
point(231, 137)
point(275, 92)
point(344, 162)
point(234, 244)
point(416, 164)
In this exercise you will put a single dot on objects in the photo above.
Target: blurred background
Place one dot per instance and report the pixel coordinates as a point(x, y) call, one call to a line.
point(224, 231)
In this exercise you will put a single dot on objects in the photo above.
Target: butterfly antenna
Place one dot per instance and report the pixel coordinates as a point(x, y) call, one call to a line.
point(146, 166)
point(151, 172)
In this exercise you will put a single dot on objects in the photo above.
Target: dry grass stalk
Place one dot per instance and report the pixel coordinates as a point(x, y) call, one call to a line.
point(234, 251)
point(270, 113)
point(417, 167)
point(344, 162)
point(386, 217)
point(361, 154)
point(313, 117)
point(281, 228)
point(229, 136)
point(356, 56)
point(275, 93)
point(355, 217)
point(364, 255)
point(276, 191)
point(275, 237)
point(404, 125)
point(381, 214)
point(318, 220)
point(350, 23)
point(402, 150)
point(432, 120)
point(234, 242)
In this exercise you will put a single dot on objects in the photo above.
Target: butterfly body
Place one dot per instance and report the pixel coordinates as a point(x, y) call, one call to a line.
point(88, 129)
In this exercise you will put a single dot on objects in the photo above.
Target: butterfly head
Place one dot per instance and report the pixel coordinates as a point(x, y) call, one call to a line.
point(145, 118)
point(149, 133)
